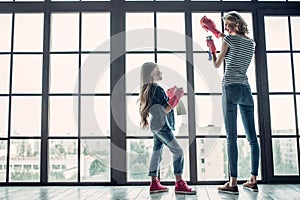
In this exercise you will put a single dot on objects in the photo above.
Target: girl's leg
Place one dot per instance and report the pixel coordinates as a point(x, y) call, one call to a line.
point(155, 185)
point(168, 138)
point(156, 157)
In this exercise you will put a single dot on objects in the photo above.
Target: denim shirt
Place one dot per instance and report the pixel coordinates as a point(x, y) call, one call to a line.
point(160, 120)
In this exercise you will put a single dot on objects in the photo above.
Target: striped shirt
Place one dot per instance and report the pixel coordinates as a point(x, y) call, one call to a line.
point(238, 58)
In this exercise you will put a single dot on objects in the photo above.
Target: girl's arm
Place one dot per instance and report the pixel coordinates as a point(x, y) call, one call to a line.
point(168, 109)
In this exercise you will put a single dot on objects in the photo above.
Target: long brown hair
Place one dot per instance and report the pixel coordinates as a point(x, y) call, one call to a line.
point(242, 27)
point(146, 79)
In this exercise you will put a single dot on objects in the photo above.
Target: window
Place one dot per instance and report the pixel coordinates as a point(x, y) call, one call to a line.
point(59, 118)
point(210, 130)
point(160, 48)
point(282, 65)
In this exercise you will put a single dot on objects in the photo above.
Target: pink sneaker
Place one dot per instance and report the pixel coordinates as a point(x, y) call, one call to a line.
point(181, 187)
point(156, 187)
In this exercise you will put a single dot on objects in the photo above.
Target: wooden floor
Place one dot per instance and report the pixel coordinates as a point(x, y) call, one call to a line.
point(286, 191)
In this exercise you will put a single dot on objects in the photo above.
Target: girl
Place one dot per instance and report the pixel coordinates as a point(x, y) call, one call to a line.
point(237, 50)
point(155, 103)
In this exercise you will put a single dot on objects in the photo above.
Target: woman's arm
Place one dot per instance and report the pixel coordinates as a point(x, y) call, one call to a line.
point(218, 60)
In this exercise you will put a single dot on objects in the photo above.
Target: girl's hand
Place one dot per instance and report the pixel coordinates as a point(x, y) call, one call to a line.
point(171, 91)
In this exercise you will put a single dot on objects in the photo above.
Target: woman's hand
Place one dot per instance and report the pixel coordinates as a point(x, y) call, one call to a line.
point(209, 25)
point(210, 43)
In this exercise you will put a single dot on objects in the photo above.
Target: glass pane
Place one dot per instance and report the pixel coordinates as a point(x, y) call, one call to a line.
point(168, 32)
point(199, 34)
point(95, 0)
point(181, 117)
point(95, 31)
point(279, 72)
point(3, 160)
point(212, 159)
point(28, 32)
point(24, 160)
point(66, 0)
point(207, 79)
point(166, 165)
point(205, 0)
point(138, 159)
point(30, 0)
point(173, 68)
point(63, 116)
point(237, 0)
point(275, 28)
point(95, 73)
point(139, 154)
point(27, 74)
point(95, 160)
point(26, 116)
point(62, 38)
point(244, 159)
point(64, 73)
point(4, 73)
point(63, 160)
point(285, 156)
point(295, 26)
point(282, 115)
point(134, 63)
point(298, 109)
point(209, 115)
point(95, 116)
point(296, 57)
point(251, 75)
point(5, 32)
point(139, 31)
point(3, 118)
point(133, 118)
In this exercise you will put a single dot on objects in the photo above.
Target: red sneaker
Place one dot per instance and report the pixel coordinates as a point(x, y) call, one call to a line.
point(156, 187)
point(181, 187)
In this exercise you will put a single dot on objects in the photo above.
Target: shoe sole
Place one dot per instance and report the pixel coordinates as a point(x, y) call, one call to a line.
point(228, 192)
point(183, 192)
point(250, 189)
point(158, 191)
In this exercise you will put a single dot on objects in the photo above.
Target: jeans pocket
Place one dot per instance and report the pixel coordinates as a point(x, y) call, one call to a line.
point(232, 93)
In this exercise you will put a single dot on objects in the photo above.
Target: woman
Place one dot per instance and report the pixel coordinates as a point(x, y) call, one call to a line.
point(237, 49)
point(155, 103)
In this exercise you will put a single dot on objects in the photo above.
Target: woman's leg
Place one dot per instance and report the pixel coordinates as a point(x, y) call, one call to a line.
point(230, 99)
point(247, 113)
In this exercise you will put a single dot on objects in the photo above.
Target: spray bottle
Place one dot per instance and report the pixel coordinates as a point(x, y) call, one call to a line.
point(209, 54)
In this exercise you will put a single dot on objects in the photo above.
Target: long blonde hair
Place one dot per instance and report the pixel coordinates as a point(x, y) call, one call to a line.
point(146, 79)
point(242, 27)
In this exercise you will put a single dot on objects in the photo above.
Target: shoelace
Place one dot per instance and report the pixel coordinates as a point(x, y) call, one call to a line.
point(183, 184)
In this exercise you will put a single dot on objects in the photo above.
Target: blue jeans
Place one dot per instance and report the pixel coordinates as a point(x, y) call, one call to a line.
point(161, 138)
point(241, 95)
